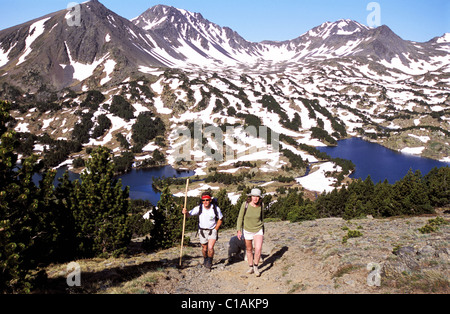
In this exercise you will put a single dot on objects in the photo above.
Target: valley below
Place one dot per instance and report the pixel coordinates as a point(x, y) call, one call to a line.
point(165, 87)
point(214, 124)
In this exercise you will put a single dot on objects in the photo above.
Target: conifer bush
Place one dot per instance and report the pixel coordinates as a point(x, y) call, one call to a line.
point(100, 208)
point(41, 224)
point(28, 232)
point(168, 218)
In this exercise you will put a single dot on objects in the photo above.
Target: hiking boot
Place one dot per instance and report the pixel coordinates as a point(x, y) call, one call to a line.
point(208, 263)
point(250, 270)
point(256, 270)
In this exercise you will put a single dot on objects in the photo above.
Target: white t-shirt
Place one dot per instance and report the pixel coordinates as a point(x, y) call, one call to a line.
point(207, 219)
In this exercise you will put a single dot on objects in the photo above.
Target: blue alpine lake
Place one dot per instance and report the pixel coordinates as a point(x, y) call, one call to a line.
point(369, 158)
point(378, 161)
point(139, 180)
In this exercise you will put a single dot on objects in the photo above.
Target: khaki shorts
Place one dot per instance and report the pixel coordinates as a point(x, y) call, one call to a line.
point(205, 235)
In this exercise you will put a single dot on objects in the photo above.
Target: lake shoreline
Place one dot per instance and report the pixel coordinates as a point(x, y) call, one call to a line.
point(380, 162)
point(375, 159)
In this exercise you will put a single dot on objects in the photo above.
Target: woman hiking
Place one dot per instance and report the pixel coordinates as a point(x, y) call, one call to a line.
point(251, 221)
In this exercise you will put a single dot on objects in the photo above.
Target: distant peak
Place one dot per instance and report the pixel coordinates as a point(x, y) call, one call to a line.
point(164, 9)
point(340, 27)
point(350, 24)
point(444, 39)
point(386, 31)
point(160, 7)
point(167, 10)
point(95, 2)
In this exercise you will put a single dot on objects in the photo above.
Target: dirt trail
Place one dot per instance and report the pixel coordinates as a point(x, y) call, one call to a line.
point(308, 257)
point(285, 268)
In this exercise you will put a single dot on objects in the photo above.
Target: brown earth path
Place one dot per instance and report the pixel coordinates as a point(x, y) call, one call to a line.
point(311, 257)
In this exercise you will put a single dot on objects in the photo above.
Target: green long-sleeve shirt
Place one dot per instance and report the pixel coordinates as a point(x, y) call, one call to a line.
point(253, 220)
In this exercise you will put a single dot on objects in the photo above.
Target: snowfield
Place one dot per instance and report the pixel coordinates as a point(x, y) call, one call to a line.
point(317, 180)
point(36, 30)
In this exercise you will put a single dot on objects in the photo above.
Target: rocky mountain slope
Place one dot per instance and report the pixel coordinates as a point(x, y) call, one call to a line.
point(165, 36)
point(337, 80)
point(51, 51)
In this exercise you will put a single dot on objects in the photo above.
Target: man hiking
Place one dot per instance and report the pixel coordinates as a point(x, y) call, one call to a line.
point(210, 220)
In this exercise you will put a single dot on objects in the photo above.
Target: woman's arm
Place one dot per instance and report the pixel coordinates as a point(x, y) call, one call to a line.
point(240, 221)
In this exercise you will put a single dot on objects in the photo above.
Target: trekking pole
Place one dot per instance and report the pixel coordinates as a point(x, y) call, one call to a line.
point(184, 221)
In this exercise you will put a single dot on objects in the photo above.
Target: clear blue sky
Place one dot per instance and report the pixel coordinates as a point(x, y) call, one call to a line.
point(257, 20)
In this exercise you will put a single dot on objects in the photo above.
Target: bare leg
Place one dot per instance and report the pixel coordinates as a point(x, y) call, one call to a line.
point(258, 242)
point(249, 249)
point(208, 253)
point(205, 250)
point(211, 244)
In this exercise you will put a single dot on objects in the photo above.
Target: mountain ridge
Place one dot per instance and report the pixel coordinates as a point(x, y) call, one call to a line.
point(338, 39)
point(165, 36)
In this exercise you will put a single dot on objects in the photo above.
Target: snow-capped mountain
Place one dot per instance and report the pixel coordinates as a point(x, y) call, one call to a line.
point(444, 39)
point(204, 43)
point(197, 39)
point(49, 51)
point(340, 78)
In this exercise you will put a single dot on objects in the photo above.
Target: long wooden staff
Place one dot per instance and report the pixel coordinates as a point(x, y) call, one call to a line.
point(184, 221)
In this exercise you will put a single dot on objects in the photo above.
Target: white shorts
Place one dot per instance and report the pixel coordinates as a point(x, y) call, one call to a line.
point(250, 235)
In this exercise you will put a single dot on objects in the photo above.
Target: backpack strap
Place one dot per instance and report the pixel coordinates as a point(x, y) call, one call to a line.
point(214, 205)
point(243, 217)
point(199, 213)
point(262, 216)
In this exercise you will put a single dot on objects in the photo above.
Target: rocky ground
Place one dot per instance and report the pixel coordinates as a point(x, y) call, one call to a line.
point(320, 257)
point(310, 257)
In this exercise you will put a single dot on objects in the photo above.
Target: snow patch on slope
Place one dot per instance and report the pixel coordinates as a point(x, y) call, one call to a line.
point(36, 30)
point(83, 71)
point(4, 59)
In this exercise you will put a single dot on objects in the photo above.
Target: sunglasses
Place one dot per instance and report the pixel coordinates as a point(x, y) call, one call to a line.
point(206, 201)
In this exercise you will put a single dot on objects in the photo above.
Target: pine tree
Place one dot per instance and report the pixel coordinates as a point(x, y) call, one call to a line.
point(301, 213)
point(25, 234)
point(333, 203)
point(359, 202)
point(382, 202)
point(100, 208)
point(410, 195)
point(353, 207)
point(228, 210)
point(67, 244)
point(11, 276)
point(438, 185)
point(168, 220)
